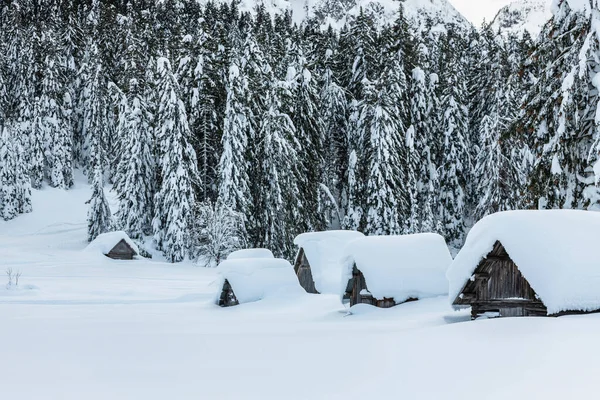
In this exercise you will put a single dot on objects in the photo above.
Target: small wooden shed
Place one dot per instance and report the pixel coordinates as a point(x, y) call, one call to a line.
point(529, 263)
point(116, 245)
point(244, 280)
point(384, 271)
point(318, 263)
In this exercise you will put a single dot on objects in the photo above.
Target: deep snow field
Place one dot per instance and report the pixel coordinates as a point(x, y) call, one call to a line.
point(86, 327)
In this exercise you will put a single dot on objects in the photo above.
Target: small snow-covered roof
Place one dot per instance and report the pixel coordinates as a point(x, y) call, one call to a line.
point(324, 251)
point(250, 253)
point(254, 279)
point(555, 250)
point(105, 242)
point(400, 267)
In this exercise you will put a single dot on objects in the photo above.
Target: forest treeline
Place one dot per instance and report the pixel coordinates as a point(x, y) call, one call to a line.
point(219, 129)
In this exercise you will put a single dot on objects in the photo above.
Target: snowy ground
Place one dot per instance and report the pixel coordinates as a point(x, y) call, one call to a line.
point(87, 328)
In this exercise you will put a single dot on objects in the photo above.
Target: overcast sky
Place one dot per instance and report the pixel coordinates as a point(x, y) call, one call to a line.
point(478, 10)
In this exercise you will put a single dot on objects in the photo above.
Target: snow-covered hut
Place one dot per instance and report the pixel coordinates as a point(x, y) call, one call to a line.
point(318, 263)
point(116, 245)
point(388, 270)
point(244, 280)
point(250, 253)
point(529, 263)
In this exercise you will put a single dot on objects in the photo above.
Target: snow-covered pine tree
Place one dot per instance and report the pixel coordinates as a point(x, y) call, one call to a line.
point(559, 113)
point(399, 55)
point(335, 147)
point(8, 179)
point(136, 174)
point(99, 216)
point(384, 207)
point(234, 190)
point(423, 139)
point(361, 72)
point(15, 188)
point(276, 219)
point(54, 126)
point(455, 161)
point(307, 120)
point(175, 199)
point(198, 80)
point(96, 123)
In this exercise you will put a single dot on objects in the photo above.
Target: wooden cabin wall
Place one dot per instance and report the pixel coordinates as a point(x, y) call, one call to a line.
point(121, 251)
point(499, 287)
point(304, 273)
point(227, 298)
point(356, 285)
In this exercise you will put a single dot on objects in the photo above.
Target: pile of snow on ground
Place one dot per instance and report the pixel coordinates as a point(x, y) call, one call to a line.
point(555, 250)
point(254, 279)
point(324, 251)
point(400, 267)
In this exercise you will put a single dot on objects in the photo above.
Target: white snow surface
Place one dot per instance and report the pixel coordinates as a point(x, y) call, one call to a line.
point(88, 328)
point(105, 242)
point(555, 250)
point(250, 253)
point(400, 267)
point(254, 279)
point(324, 251)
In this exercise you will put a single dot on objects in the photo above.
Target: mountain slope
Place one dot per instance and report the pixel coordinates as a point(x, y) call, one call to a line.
point(522, 15)
point(336, 12)
point(420, 12)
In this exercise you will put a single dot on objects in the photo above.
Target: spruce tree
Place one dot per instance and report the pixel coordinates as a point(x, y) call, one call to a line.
point(234, 189)
point(455, 161)
point(135, 183)
point(99, 216)
point(175, 199)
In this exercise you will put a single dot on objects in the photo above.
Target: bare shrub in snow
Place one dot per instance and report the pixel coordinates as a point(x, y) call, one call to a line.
point(219, 231)
point(13, 278)
point(9, 273)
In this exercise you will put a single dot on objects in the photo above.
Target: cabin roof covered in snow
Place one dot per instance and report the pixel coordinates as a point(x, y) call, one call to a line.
point(400, 267)
point(105, 242)
point(324, 252)
point(555, 250)
point(254, 279)
point(250, 253)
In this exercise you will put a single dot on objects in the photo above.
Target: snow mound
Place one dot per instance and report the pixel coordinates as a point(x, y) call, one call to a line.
point(250, 253)
point(254, 279)
point(105, 242)
point(555, 250)
point(400, 267)
point(324, 251)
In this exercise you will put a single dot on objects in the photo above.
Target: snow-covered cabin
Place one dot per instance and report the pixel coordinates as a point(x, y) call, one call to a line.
point(318, 263)
point(250, 253)
point(116, 245)
point(529, 263)
point(244, 280)
point(388, 270)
